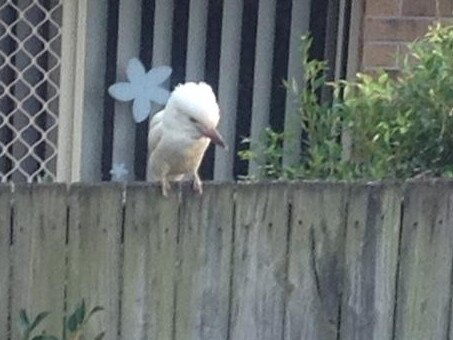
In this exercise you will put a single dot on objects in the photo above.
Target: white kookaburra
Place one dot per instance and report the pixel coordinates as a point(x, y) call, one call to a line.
point(180, 134)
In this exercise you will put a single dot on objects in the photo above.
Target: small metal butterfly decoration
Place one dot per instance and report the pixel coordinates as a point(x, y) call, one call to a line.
point(142, 88)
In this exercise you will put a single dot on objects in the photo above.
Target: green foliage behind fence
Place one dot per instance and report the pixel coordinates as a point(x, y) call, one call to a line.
point(399, 128)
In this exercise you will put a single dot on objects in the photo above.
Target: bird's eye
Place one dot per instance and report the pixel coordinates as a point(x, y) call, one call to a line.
point(193, 120)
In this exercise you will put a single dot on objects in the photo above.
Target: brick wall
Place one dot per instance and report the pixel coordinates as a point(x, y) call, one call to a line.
point(390, 24)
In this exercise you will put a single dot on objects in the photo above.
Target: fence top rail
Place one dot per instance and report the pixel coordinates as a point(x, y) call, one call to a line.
point(210, 185)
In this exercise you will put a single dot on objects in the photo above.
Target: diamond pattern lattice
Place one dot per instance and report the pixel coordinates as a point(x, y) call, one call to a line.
point(30, 40)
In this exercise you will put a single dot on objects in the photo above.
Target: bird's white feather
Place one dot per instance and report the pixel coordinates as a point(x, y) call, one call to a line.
point(155, 131)
point(196, 100)
point(175, 144)
point(178, 135)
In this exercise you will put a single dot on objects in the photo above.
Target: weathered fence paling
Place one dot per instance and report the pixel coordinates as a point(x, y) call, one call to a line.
point(315, 261)
point(242, 261)
point(38, 253)
point(5, 258)
point(95, 220)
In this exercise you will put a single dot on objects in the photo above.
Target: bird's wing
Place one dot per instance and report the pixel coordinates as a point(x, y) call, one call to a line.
point(155, 131)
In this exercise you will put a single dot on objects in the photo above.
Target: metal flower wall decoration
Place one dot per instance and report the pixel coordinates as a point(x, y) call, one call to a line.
point(119, 172)
point(142, 88)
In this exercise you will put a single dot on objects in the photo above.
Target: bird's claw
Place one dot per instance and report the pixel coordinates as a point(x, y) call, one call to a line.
point(165, 187)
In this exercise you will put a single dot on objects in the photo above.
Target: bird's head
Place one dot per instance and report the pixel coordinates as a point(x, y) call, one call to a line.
point(192, 108)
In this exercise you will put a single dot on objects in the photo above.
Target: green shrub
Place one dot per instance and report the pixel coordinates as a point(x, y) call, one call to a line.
point(77, 321)
point(400, 127)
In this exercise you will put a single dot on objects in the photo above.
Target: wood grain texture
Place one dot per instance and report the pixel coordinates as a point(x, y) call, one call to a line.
point(205, 244)
point(309, 260)
point(39, 237)
point(372, 242)
point(424, 278)
point(259, 274)
point(95, 221)
point(5, 257)
point(315, 261)
point(150, 259)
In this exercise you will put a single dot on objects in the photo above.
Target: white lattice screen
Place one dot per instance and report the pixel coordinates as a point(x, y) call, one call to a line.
point(30, 46)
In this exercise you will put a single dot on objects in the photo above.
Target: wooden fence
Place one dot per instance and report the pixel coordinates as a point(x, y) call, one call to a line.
point(242, 261)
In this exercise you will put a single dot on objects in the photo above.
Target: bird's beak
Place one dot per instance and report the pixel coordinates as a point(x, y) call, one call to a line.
point(214, 135)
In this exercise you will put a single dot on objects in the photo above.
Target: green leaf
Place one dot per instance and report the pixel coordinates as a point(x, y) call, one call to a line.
point(99, 336)
point(71, 323)
point(95, 310)
point(45, 337)
point(41, 316)
point(24, 321)
point(80, 312)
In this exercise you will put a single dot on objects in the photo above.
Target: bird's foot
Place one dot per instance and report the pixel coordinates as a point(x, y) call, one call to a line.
point(197, 185)
point(165, 187)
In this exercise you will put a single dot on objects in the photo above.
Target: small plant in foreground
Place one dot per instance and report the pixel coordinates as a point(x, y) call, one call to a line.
point(27, 327)
point(74, 325)
point(78, 320)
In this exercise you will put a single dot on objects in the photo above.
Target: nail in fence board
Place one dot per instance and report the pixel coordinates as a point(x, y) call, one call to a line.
point(205, 244)
point(315, 261)
point(39, 234)
point(95, 218)
point(259, 262)
point(150, 243)
point(372, 241)
point(424, 278)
